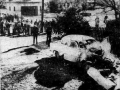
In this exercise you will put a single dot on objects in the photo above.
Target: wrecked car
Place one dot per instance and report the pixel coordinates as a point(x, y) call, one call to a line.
point(104, 67)
point(76, 47)
point(61, 73)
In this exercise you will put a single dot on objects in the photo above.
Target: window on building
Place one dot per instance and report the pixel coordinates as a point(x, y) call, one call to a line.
point(29, 10)
point(14, 8)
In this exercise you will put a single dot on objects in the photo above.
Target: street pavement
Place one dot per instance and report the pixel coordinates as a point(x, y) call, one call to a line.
point(7, 43)
point(14, 50)
point(18, 62)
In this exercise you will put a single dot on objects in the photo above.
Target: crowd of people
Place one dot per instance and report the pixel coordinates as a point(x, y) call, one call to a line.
point(24, 27)
point(19, 28)
point(27, 28)
point(33, 28)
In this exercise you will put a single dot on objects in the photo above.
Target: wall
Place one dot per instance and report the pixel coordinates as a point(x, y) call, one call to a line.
point(17, 5)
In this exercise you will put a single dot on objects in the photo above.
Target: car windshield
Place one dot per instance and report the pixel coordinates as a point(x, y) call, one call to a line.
point(82, 45)
point(73, 44)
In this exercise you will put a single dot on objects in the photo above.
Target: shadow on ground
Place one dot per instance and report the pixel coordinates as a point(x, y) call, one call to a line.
point(29, 51)
point(53, 72)
point(14, 49)
point(50, 72)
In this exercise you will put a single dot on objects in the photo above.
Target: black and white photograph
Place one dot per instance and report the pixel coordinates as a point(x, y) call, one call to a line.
point(59, 44)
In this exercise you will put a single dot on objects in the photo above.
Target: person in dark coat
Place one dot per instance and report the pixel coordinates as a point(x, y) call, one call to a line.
point(18, 28)
point(106, 20)
point(97, 21)
point(24, 29)
point(35, 34)
point(49, 32)
point(8, 28)
point(1, 28)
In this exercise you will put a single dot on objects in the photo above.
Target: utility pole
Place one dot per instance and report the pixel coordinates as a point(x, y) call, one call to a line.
point(42, 15)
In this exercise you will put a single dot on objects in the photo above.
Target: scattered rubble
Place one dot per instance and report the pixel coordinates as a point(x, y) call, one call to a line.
point(95, 74)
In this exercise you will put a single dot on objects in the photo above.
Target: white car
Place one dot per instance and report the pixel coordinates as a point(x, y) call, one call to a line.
point(75, 47)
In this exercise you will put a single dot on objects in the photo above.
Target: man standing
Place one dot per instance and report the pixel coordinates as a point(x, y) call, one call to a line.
point(35, 33)
point(106, 25)
point(8, 28)
point(24, 28)
point(18, 28)
point(11, 29)
point(1, 28)
point(49, 32)
point(31, 27)
point(97, 22)
point(27, 27)
point(106, 20)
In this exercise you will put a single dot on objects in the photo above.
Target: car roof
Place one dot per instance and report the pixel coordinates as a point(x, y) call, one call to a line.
point(76, 38)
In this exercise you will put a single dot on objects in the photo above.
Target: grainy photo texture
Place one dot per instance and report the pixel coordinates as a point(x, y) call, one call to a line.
point(59, 44)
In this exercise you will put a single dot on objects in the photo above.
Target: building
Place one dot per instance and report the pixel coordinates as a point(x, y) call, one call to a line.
point(66, 4)
point(26, 7)
point(33, 7)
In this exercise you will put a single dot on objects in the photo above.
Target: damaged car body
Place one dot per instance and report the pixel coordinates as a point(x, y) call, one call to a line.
point(83, 58)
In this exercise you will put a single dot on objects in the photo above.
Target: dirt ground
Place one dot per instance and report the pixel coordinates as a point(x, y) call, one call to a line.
point(31, 68)
point(17, 74)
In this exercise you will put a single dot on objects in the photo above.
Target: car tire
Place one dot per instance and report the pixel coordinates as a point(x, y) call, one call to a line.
point(56, 53)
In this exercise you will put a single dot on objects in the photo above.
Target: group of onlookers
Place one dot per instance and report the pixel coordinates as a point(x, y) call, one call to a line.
point(27, 28)
point(97, 21)
point(20, 28)
point(15, 28)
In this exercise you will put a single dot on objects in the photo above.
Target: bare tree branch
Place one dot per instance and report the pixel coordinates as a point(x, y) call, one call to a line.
point(108, 3)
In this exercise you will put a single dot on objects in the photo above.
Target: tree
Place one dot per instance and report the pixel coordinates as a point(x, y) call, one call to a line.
point(109, 4)
point(72, 23)
point(53, 6)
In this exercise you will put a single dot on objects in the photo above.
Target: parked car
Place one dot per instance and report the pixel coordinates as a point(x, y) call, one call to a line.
point(76, 47)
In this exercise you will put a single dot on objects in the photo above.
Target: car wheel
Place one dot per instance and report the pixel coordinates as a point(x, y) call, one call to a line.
point(56, 53)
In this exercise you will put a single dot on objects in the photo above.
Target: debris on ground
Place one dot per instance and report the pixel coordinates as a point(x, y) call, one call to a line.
point(29, 51)
point(95, 74)
point(100, 72)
